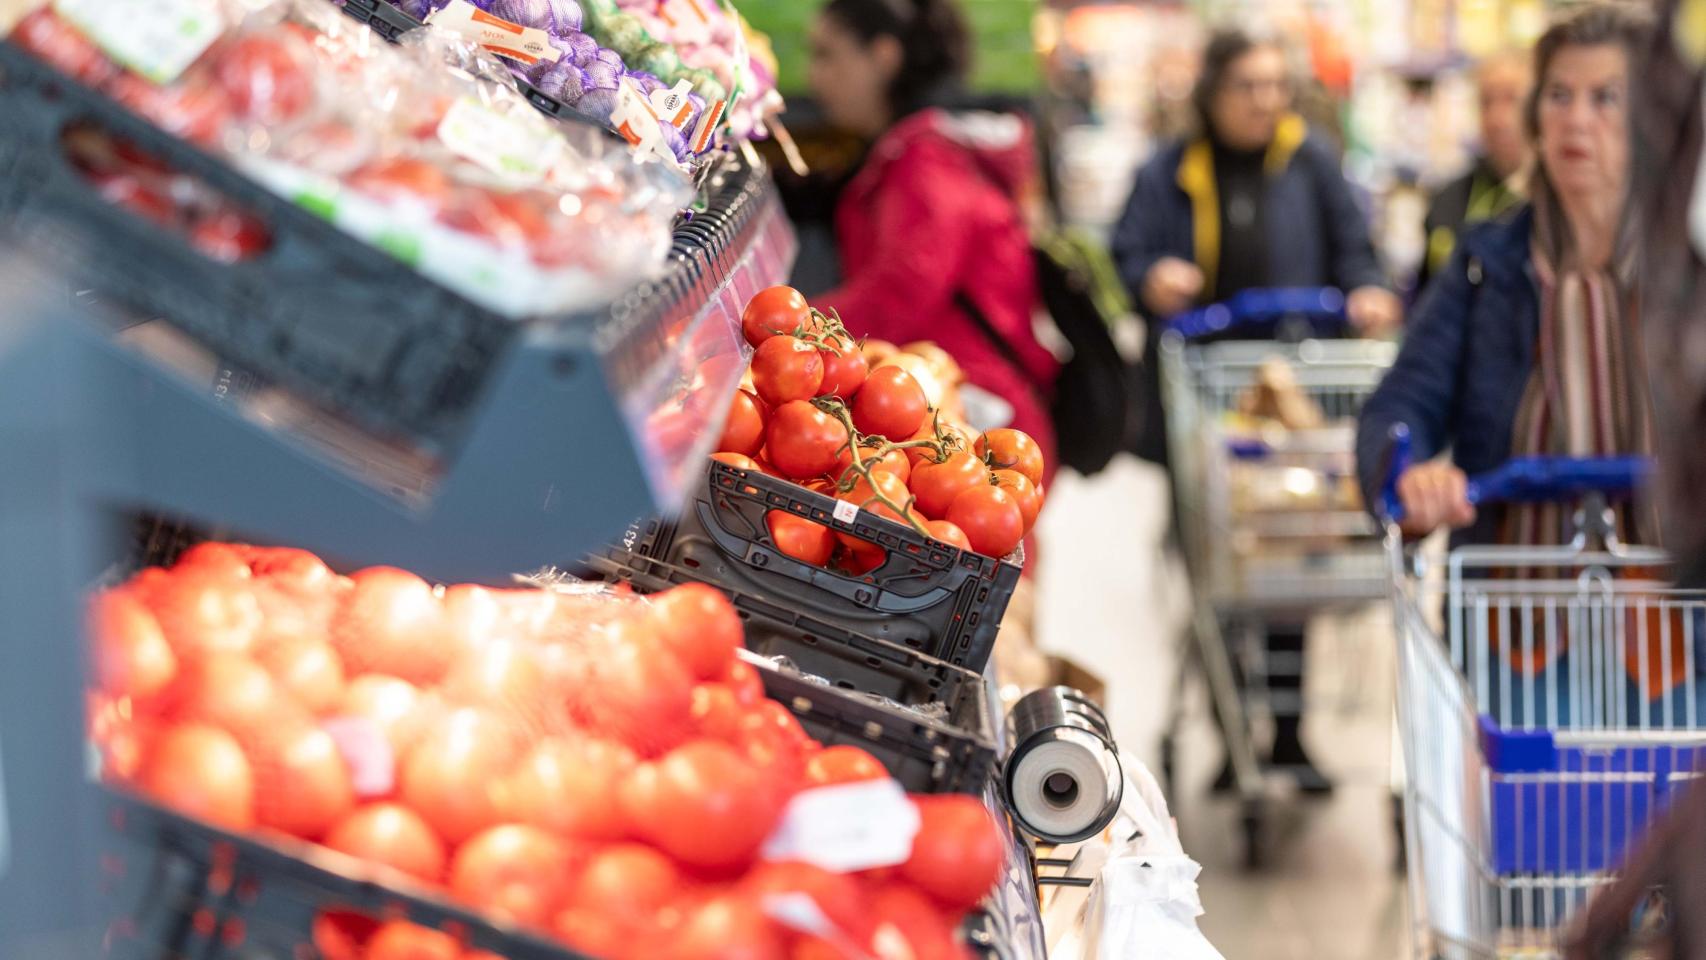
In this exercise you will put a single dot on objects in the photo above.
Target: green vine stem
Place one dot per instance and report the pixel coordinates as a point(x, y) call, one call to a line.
point(861, 468)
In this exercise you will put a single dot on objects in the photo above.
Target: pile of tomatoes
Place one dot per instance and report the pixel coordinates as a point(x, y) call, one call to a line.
point(593, 766)
point(817, 413)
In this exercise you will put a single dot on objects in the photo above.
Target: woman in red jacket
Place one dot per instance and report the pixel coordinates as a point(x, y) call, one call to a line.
point(930, 230)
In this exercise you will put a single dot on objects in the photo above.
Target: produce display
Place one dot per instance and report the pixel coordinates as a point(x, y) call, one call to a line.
point(426, 151)
point(577, 762)
point(849, 420)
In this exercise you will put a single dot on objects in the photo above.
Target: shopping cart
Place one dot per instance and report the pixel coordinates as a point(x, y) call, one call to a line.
point(1527, 781)
point(1271, 524)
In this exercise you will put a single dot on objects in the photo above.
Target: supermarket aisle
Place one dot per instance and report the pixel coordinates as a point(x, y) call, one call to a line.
point(1331, 892)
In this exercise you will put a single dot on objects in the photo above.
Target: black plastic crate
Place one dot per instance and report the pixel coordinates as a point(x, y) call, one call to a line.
point(987, 935)
point(179, 888)
point(934, 598)
point(955, 754)
point(383, 18)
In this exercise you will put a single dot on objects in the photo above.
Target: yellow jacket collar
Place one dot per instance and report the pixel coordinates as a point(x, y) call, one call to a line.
point(1196, 179)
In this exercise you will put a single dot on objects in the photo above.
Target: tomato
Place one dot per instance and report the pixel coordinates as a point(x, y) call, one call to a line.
point(400, 940)
point(567, 786)
point(786, 369)
point(230, 236)
point(143, 199)
point(738, 461)
point(222, 559)
point(519, 873)
point(800, 538)
point(699, 624)
point(909, 927)
point(947, 533)
point(508, 678)
point(393, 704)
point(302, 782)
point(957, 854)
point(991, 519)
point(936, 485)
point(894, 461)
point(728, 927)
point(891, 404)
point(451, 776)
point(392, 623)
point(837, 895)
point(864, 495)
point(594, 934)
point(199, 771)
point(195, 108)
point(391, 835)
point(122, 736)
point(703, 804)
point(308, 672)
point(294, 571)
point(204, 613)
point(774, 311)
point(629, 881)
point(803, 441)
point(843, 764)
point(268, 77)
point(859, 557)
point(717, 714)
point(132, 658)
point(1025, 493)
point(342, 934)
point(744, 679)
point(62, 46)
point(774, 740)
point(636, 691)
point(1012, 449)
point(743, 429)
point(235, 693)
point(400, 179)
point(844, 370)
point(512, 221)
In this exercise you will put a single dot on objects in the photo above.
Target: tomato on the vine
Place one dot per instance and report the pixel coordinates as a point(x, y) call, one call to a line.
point(991, 519)
point(803, 441)
point(894, 461)
point(948, 533)
point(800, 538)
point(773, 311)
point(937, 484)
point(957, 853)
point(1008, 449)
point(786, 369)
point(891, 404)
point(1027, 494)
point(844, 369)
point(743, 430)
point(864, 494)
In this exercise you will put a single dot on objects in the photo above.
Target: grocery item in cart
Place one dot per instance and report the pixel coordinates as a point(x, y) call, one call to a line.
point(447, 170)
point(1275, 396)
point(573, 763)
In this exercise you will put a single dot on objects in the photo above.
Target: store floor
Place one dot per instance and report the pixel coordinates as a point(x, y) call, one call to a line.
point(1110, 600)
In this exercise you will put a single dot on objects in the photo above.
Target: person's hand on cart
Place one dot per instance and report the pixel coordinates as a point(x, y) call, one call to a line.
point(1374, 311)
point(1433, 495)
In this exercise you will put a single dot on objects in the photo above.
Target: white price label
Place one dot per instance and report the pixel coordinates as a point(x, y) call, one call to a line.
point(704, 135)
point(371, 761)
point(673, 106)
point(157, 39)
point(526, 44)
point(855, 826)
point(637, 121)
point(508, 146)
point(846, 512)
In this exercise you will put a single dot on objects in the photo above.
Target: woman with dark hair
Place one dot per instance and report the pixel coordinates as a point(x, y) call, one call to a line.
point(1254, 200)
point(933, 242)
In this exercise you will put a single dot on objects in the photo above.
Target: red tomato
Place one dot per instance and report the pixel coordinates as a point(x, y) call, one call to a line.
point(509, 220)
point(774, 740)
point(947, 533)
point(400, 940)
point(628, 881)
point(507, 678)
point(195, 108)
point(201, 772)
point(738, 461)
point(204, 613)
point(936, 485)
point(451, 777)
point(703, 804)
point(391, 835)
point(392, 623)
point(235, 693)
point(777, 310)
point(803, 441)
point(342, 934)
point(519, 873)
point(594, 934)
point(139, 197)
point(957, 855)
point(717, 714)
point(907, 926)
point(844, 370)
point(403, 179)
point(268, 76)
point(786, 369)
point(393, 704)
point(728, 927)
point(744, 679)
point(843, 764)
point(895, 462)
point(567, 786)
point(221, 559)
point(891, 404)
point(1012, 449)
point(743, 430)
point(294, 571)
point(1026, 494)
point(800, 538)
point(308, 672)
point(860, 558)
point(132, 658)
point(302, 785)
point(123, 737)
point(62, 46)
point(864, 495)
point(837, 895)
point(991, 519)
point(230, 236)
point(700, 626)
point(636, 691)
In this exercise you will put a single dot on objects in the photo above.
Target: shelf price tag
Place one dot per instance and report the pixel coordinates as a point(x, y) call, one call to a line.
point(156, 39)
point(528, 45)
point(846, 512)
point(855, 826)
point(637, 120)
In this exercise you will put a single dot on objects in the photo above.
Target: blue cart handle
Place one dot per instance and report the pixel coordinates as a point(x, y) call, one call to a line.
point(1263, 310)
point(1523, 479)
